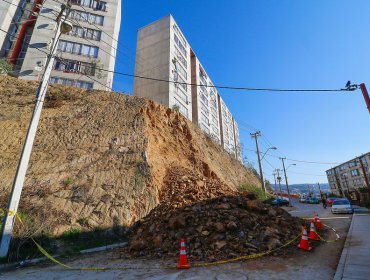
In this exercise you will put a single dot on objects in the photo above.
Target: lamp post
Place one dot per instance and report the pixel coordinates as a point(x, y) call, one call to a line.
point(63, 27)
point(286, 178)
point(271, 148)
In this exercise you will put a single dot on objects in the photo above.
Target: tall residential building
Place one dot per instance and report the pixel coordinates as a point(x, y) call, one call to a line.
point(349, 176)
point(164, 53)
point(90, 45)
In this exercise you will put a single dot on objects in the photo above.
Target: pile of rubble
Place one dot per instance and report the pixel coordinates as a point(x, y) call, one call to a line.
point(216, 222)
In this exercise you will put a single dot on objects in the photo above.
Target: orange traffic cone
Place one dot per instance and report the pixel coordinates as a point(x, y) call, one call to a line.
point(313, 234)
point(318, 222)
point(304, 245)
point(183, 261)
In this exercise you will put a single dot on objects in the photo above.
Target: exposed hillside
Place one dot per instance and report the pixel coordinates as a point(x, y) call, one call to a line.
point(101, 159)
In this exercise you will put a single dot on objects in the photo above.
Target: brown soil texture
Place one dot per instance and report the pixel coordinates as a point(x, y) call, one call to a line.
point(223, 227)
point(103, 159)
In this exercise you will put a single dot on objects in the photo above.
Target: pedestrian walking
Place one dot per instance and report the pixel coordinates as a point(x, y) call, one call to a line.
point(323, 201)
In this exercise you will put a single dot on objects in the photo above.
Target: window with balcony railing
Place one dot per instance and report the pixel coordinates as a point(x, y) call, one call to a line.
point(87, 17)
point(87, 33)
point(71, 82)
point(73, 66)
point(180, 45)
point(93, 4)
point(78, 49)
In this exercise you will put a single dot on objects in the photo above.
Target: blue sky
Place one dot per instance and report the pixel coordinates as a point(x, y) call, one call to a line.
point(276, 44)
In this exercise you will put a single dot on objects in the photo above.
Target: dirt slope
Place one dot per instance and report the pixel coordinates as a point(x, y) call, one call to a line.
point(100, 159)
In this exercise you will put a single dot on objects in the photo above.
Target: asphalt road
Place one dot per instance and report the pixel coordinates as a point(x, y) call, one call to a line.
point(318, 264)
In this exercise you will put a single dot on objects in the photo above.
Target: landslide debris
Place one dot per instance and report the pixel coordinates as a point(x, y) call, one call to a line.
point(216, 222)
point(100, 159)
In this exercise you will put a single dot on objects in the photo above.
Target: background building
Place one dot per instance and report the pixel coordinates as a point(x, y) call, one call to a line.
point(91, 44)
point(164, 53)
point(349, 176)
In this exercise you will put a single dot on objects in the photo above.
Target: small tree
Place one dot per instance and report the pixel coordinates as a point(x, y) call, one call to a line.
point(176, 108)
point(5, 67)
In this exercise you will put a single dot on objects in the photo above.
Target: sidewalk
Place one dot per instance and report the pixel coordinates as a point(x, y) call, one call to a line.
point(354, 262)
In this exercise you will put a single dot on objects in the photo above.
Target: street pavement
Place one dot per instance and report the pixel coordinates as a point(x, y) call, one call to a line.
point(354, 262)
point(319, 264)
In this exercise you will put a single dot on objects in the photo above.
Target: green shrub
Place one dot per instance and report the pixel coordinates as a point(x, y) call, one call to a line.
point(256, 190)
point(67, 182)
point(72, 233)
point(363, 189)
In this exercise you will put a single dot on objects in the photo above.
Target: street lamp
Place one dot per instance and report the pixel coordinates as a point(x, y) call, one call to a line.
point(290, 165)
point(271, 148)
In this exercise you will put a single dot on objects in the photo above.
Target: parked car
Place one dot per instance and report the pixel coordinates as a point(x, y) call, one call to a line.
point(341, 205)
point(329, 200)
point(313, 200)
point(303, 199)
point(280, 202)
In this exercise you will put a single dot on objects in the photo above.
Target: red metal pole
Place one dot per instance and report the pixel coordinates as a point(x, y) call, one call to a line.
point(22, 33)
point(366, 95)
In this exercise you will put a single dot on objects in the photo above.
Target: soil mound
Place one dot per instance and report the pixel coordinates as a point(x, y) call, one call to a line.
point(219, 228)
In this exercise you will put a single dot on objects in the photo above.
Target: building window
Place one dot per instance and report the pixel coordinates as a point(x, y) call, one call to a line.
point(72, 66)
point(71, 82)
point(177, 30)
point(352, 164)
point(355, 172)
point(204, 99)
point(204, 128)
point(204, 119)
point(183, 110)
point(179, 68)
point(87, 33)
point(181, 94)
point(87, 17)
point(180, 45)
point(181, 82)
point(93, 4)
point(78, 49)
point(180, 57)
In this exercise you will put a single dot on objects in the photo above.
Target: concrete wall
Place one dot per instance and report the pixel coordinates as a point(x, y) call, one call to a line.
point(152, 60)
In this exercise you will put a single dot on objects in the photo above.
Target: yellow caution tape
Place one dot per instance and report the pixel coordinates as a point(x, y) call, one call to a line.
point(247, 257)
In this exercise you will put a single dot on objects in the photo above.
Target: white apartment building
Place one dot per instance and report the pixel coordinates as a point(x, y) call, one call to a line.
point(205, 105)
point(163, 53)
point(90, 45)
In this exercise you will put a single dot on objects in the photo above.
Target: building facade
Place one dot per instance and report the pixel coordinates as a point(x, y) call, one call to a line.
point(164, 53)
point(90, 46)
point(349, 176)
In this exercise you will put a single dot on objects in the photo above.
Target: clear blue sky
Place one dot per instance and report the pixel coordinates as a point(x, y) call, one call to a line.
point(276, 44)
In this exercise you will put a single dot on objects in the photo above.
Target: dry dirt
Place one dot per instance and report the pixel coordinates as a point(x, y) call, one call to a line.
point(100, 159)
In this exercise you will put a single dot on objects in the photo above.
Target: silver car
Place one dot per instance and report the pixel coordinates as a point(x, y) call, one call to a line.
point(341, 205)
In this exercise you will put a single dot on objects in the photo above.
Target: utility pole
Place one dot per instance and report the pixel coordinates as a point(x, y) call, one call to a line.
point(365, 176)
point(286, 181)
point(62, 27)
point(279, 180)
point(321, 195)
point(255, 136)
point(274, 174)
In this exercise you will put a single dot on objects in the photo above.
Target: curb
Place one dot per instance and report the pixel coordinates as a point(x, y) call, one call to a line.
point(342, 262)
point(21, 264)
